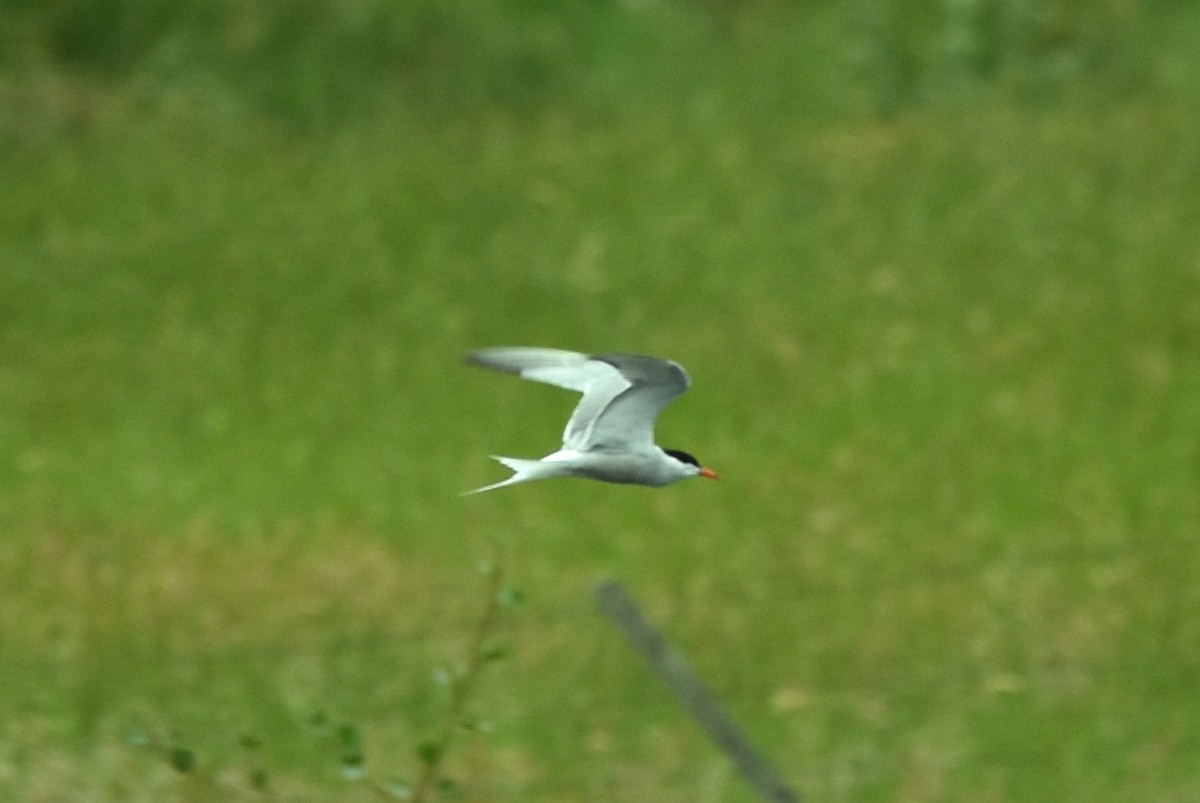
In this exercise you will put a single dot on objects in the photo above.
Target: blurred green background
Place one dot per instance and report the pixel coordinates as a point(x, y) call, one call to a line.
point(934, 268)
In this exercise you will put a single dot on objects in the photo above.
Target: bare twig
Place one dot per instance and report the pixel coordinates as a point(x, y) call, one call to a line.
point(673, 668)
point(433, 750)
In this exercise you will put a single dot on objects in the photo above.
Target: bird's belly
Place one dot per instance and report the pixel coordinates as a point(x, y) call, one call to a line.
point(625, 469)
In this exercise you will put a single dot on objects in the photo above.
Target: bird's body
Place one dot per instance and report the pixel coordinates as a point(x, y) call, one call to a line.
point(610, 435)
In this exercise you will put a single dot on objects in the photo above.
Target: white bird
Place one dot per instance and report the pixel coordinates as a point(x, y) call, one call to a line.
point(610, 436)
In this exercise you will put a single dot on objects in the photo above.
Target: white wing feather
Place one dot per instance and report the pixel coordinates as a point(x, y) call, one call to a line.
point(623, 394)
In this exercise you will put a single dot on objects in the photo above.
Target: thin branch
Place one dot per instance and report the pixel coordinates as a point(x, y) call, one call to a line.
point(673, 668)
point(433, 751)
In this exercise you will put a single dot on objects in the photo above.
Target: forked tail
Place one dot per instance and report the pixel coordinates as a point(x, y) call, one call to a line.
point(524, 471)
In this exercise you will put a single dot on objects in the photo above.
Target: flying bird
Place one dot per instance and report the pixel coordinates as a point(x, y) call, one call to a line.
point(610, 436)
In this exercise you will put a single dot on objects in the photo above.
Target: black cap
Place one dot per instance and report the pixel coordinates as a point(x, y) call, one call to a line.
point(683, 457)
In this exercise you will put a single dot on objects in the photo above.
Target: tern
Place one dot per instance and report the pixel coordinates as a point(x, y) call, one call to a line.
point(610, 436)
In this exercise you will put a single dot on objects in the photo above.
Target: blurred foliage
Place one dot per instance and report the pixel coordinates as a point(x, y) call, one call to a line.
point(947, 363)
point(314, 60)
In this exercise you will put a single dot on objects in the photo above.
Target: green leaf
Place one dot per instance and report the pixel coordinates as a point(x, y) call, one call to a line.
point(475, 725)
point(430, 752)
point(136, 737)
point(259, 778)
point(350, 746)
point(399, 789)
point(494, 650)
point(182, 759)
point(510, 597)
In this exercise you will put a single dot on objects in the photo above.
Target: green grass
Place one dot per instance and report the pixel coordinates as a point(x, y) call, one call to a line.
point(947, 363)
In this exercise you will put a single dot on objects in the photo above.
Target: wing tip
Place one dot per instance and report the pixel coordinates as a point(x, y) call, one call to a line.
point(490, 358)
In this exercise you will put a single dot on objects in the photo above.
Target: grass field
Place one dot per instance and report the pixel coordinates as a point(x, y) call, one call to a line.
point(945, 338)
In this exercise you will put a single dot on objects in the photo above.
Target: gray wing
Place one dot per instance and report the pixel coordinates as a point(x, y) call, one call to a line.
point(623, 394)
point(566, 369)
point(599, 382)
point(627, 421)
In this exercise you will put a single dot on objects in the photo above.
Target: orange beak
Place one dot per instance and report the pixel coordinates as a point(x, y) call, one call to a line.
point(709, 473)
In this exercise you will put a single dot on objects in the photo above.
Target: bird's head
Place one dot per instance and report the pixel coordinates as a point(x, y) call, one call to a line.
point(694, 464)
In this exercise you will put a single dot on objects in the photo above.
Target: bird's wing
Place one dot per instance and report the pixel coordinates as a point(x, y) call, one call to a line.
point(566, 369)
point(623, 394)
point(599, 382)
point(628, 417)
